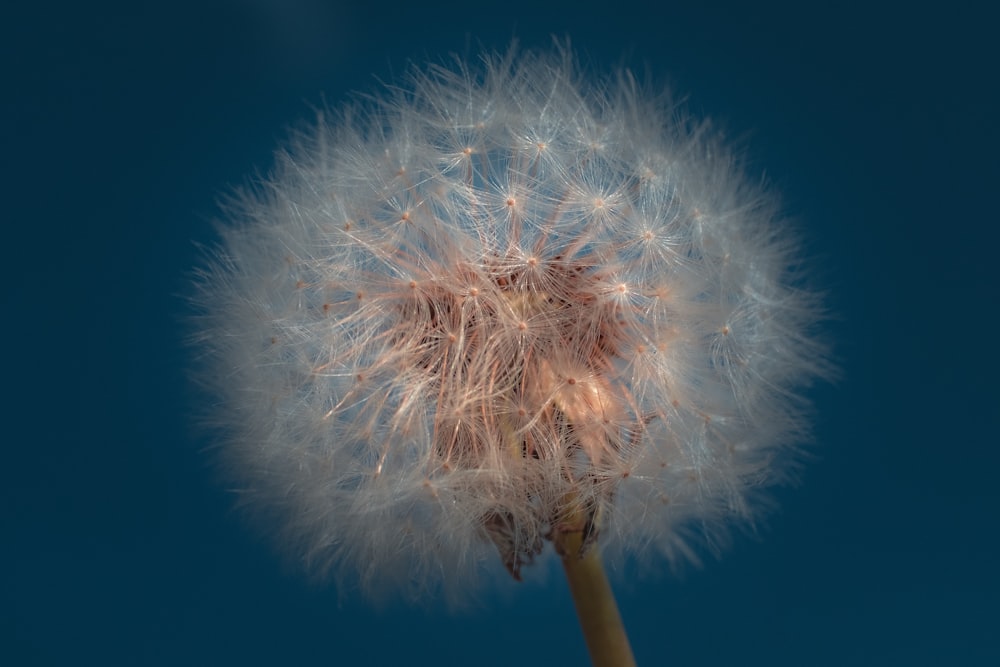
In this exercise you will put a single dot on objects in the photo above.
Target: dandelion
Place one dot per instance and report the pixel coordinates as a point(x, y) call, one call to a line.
point(502, 307)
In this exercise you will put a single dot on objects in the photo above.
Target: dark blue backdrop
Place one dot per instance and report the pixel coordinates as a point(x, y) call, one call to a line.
point(122, 124)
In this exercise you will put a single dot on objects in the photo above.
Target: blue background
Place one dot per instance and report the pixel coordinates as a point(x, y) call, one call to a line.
point(121, 125)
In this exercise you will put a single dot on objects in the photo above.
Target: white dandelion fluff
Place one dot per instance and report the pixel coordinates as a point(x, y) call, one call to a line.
point(497, 305)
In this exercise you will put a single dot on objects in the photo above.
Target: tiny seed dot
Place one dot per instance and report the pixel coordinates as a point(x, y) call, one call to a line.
point(274, 340)
point(599, 203)
point(521, 412)
point(532, 261)
point(474, 291)
point(405, 217)
point(299, 284)
point(326, 308)
point(510, 201)
point(623, 288)
point(522, 326)
point(359, 296)
point(467, 150)
point(725, 331)
point(413, 284)
point(452, 338)
point(571, 381)
point(648, 236)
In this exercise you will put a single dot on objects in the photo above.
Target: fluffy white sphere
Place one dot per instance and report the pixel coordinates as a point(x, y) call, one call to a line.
point(493, 299)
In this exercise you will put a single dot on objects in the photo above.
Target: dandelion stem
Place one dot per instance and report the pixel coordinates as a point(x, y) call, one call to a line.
point(595, 604)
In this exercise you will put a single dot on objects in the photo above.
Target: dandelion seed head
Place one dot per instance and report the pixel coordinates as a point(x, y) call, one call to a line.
point(493, 299)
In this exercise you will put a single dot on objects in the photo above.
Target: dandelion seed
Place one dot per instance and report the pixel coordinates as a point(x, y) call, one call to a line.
point(504, 308)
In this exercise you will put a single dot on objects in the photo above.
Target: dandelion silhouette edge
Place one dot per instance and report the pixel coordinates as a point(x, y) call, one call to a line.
point(497, 297)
